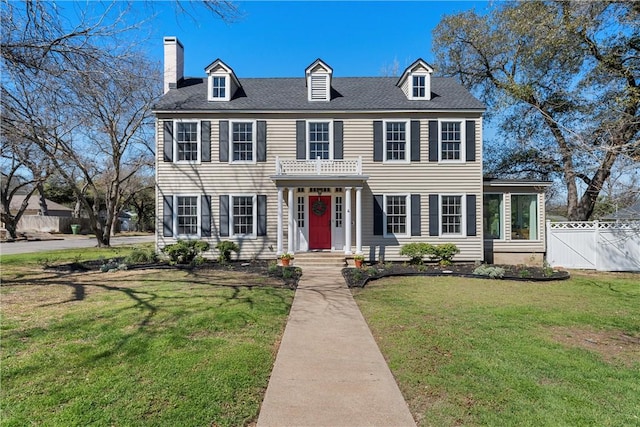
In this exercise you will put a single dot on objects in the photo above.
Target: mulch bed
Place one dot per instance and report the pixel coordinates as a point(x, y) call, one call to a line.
point(358, 277)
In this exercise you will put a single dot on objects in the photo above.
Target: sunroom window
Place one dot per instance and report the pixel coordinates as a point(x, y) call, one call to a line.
point(493, 220)
point(524, 217)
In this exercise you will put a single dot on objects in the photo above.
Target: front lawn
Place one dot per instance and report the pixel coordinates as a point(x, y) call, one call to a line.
point(137, 347)
point(488, 352)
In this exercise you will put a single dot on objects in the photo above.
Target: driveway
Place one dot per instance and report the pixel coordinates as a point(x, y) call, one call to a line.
point(67, 242)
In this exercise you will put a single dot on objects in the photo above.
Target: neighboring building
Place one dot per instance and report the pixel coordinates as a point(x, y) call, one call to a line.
point(347, 164)
point(33, 206)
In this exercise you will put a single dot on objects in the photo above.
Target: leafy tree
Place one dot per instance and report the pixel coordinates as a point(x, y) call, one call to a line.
point(563, 77)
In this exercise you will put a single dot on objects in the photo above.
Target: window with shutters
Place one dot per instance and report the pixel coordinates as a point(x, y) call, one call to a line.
point(319, 140)
point(451, 215)
point(451, 141)
point(396, 139)
point(242, 140)
point(187, 141)
point(319, 90)
point(396, 214)
point(187, 214)
point(243, 215)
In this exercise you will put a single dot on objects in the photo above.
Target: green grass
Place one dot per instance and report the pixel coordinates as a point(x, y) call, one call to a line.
point(43, 258)
point(156, 348)
point(484, 352)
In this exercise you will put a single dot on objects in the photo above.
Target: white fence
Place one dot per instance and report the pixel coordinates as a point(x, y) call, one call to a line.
point(603, 246)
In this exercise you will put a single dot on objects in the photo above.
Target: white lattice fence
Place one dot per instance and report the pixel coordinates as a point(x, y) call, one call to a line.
point(604, 246)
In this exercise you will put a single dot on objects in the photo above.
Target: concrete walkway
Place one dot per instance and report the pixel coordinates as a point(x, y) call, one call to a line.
point(329, 370)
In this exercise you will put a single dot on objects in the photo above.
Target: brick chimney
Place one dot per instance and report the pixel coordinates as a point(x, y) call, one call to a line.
point(173, 63)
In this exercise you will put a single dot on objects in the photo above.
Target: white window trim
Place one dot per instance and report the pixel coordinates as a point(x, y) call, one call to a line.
point(407, 213)
point(330, 138)
point(502, 216)
point(463, 214)
point(175, 217)
point(427, 88)
point(227, 87)
point(407, 145)
point(254, 142)
point(254, 213)
point(175, 142)
point(463, 144)
point(538, 216)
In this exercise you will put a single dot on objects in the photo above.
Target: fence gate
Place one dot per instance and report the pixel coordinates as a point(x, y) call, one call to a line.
point(603, 246)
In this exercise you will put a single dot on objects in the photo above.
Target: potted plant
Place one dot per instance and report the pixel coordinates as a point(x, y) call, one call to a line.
point(358, 260)
point(286, 258)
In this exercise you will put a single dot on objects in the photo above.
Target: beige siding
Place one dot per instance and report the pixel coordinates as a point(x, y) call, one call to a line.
point(422, 178)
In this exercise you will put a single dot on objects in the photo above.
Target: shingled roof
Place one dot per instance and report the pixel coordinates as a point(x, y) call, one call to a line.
point(347, 94)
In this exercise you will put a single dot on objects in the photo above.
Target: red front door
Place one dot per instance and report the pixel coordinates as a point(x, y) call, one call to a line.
point(319, 222)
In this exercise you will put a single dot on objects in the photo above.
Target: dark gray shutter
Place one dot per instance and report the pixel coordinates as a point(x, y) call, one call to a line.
point(377, 141)
point(301, 140)
point(224, 141)
point(415, 215)
point(205, 216)
point(434, 216)
point(471, 215)
point(338, 144)
point(433, 140)
point(168, 140)
point(470, 148)
point(261, 136)
point(205, 140)
point(378, 215)
point(167, 216)
point(415, 140)
point(224, 216)
point(262, 215)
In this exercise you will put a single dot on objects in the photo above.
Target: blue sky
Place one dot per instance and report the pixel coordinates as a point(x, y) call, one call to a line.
point(279, 39)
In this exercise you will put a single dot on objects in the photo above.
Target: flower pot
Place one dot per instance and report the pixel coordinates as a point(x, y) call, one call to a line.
point(285, 261)
point(358, 263)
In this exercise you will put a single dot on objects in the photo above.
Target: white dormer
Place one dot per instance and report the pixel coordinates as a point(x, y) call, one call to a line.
point(415, 82)
point(222, 82)
point(318, 77)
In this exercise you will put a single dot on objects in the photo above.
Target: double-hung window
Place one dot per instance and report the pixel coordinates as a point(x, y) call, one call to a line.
point(524, 217)
point(396, 214)
point(419, 86)
point(243, 141)
point(187, 215)
point(396, 137)
point(187, 141)
point(451, 141)
point(319, 140)
point(452, 211)
point(243, 215)
point(218, 87)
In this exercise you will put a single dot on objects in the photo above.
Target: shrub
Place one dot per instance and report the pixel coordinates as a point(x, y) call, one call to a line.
point(446, 252)
point(226, 247)
point(141, 256)
point(186, 251)
point(490, 271)
point(416, 252)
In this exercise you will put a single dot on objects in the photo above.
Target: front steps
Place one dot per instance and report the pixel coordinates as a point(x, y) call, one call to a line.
point(319, 259)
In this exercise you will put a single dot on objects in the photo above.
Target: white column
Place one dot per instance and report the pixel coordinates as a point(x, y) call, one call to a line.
point(290, 237)
point(347, 221)
point(280, 231)
point(359, 220)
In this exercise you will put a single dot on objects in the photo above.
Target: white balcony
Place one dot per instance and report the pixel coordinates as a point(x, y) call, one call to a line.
point(293, 167)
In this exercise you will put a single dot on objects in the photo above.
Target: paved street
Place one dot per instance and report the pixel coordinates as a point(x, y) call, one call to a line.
point(68, 242)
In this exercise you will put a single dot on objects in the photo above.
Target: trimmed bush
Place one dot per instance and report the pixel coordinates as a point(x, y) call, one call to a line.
point(186, 251)
point(446, 252)
point(417, 251)
point(141, 256)
point(226, 247)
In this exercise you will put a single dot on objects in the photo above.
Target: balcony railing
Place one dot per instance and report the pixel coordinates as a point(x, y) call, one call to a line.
point(318, 167)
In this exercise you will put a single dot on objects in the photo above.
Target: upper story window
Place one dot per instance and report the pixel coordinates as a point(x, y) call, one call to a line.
point(419, 86)
point(187, 141)
point(218, 87)
point(396, 137)
point(451, 141)
point(319, 140)
point(451, 208)
point(243, 141)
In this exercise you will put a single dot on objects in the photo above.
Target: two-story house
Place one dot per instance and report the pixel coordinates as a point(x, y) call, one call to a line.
point(356, 165)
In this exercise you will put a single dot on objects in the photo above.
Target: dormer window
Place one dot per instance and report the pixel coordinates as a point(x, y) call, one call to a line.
point(222, 82)
point(318, 77)
point(415, 82)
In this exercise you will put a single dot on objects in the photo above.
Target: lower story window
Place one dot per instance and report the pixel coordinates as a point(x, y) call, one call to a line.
point(243, 216)
point(396, 214)
point(187, 215)
point(524, 217)
point(493, 228)
point(451, 215)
